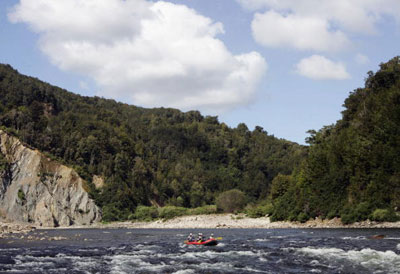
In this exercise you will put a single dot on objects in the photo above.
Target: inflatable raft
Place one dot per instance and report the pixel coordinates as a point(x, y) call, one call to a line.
point(208, 242)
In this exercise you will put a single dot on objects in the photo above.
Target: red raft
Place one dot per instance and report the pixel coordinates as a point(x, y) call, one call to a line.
point(208, 242)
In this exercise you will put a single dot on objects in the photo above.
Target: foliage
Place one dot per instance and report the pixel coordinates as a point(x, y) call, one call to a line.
point(257, 211)
point(232, 200)
point(352, 168)
point(384, 215)
point(279, 186)
point(169, 212)
point(21, 195)
point(303, 217)
point(3, 162)
point(203, 210)
point(145, 213)
point(161, 155)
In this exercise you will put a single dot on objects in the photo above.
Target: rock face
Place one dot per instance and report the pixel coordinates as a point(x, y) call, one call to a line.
point(38, 190)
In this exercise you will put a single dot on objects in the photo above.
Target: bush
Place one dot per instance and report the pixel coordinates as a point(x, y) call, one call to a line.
point(348, 218)
point(232, 200)
point(21, 195)
point(360, 213)
point(303, 217)
point(170, 212)
point(3, 162)
point(332, 214)
point(145, 213)
point(259, 211)
point(111, 213)
point(384, 215)
point(208, 209)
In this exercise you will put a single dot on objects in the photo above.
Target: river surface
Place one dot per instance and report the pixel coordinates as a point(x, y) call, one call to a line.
point(239, 251)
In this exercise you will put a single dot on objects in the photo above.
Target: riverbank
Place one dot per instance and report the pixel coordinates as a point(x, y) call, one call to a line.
point(14, 228)
point(224, 221)
point(212, 221)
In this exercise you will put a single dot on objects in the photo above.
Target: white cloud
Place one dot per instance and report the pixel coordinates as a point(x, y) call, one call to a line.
point(318, 67)
point(272, 29)
point(361, 59)
point(83, 85)
point(146, 53)
point(339, 16)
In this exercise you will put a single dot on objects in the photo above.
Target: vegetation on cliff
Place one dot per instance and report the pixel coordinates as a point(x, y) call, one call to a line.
point(146, 156)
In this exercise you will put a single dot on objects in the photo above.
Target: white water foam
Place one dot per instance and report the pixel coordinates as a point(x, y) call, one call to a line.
point(278, 237)
point(209, 254)
point(186, 271)
point(261, 240)
point(129, 263)
point(378, 261)
point(398, 246)
point(38, 264)
point(354, 238)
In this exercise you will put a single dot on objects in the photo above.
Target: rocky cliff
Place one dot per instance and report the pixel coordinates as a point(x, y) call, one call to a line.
point(38, 190)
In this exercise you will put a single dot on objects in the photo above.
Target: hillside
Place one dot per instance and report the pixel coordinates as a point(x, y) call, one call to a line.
point(142, 156)
point(353, 167)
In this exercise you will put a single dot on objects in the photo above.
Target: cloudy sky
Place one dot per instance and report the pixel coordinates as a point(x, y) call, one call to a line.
point(284, 65)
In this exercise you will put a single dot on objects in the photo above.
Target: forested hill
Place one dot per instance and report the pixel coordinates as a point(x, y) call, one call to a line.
point(145, 156)
point(353, 167)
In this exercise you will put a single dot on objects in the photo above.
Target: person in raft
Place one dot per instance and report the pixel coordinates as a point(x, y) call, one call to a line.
point(200, 237)
point(190, 238)
point(211, 236)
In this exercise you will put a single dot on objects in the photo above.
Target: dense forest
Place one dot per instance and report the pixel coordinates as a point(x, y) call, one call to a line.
point(165, 157)
point(145, 156)
point(353, 167)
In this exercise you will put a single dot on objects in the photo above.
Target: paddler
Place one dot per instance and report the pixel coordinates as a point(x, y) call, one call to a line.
point(190, 238)
point(211, 236)
point(200, 237)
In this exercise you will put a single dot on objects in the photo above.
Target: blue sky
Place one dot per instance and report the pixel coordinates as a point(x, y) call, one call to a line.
point(286, 65)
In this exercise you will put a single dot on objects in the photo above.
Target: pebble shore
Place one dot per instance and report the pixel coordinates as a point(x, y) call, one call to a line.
point(20, 229)
point(213, 221)
point(224, 221)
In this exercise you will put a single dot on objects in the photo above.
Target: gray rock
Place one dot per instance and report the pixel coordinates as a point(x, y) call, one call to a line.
point(38, 190)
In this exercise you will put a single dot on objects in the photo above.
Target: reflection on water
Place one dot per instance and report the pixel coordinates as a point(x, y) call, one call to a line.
point(240, 251)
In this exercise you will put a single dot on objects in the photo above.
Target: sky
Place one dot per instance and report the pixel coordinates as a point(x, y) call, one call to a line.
point(285, 65)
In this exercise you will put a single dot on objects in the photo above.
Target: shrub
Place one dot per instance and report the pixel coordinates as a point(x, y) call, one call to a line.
point(259, 211)
point(111, 213)
point(348, 218)
point(360, 213)
point(363, 210)
point(145, 213)
point(332, 214)
point(384, 215)
point(170, 212)
point(207, 209)
point(232, 200)
point(3, 162)
point(303, 217)
point(21, 195)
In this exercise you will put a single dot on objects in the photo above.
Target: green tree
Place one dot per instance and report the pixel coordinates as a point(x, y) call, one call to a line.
point(232, 200)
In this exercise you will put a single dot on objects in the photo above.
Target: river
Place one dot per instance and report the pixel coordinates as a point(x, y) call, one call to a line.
point(239, 251)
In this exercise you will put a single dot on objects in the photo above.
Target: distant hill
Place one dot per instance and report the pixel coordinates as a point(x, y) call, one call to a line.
point(130, 155)
point(353, 167)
